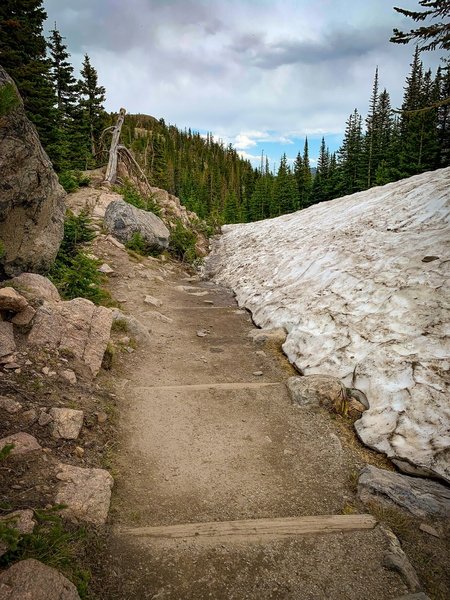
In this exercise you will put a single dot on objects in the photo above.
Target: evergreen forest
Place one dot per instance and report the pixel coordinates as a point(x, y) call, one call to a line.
point(209, 177)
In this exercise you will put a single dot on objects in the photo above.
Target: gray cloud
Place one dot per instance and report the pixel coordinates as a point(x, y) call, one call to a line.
point(279, 66)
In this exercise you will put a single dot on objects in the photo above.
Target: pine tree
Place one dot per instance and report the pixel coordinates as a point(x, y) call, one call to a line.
point(23, 55)
point(66, 148)
point(386, 158)
point(307, 176)
point(285, 194)
point(411, 122)
point(434, 35)
point(350, 155)
point(372, 132)
point(92, 97)
point(319, 188)
point(299, 174)
point(442, 82)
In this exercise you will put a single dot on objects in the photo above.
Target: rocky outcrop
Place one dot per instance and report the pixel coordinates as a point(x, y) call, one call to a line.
point(77, 328)
point(91, 200)
point(32, 580)
point(124, 220)
point(67, 422)
point(31, 199)
point(361, 284)
point(421, 497)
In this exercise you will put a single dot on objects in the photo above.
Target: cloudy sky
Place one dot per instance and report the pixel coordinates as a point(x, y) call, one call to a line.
point(257, 73)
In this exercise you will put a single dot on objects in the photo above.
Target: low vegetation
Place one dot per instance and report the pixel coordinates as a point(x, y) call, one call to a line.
point(74, 273)
point(133, 196)
point(138, 245)
point(8, 99)
point(72, 180)
point(53, 542)
point(182, 243)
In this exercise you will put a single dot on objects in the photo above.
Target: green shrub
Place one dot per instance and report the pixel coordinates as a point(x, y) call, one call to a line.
point(182, 243)
point(132, 195)
point(52, 542)
point(2, 249)
point(72, 180)
point(138, 244)
point(6, 451)
point(8, 99)
point(74, 273)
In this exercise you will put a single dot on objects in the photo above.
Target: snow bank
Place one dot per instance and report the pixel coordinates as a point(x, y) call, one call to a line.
point(361, 285)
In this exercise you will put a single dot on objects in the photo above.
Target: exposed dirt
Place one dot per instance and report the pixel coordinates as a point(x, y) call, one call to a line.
point(202, 438)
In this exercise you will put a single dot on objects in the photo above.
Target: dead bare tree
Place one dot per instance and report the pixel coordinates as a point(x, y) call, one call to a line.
point(111, 169)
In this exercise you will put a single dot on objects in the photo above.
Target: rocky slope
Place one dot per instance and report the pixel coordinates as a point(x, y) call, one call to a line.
point(360, 284)
point(31, 199)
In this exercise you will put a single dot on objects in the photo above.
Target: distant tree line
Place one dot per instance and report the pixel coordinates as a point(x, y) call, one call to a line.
point(209, 177)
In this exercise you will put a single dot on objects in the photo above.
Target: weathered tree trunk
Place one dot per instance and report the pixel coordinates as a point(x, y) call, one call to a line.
point(111, 169)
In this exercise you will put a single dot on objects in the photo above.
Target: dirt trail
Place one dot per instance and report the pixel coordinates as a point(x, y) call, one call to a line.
point(206, 440)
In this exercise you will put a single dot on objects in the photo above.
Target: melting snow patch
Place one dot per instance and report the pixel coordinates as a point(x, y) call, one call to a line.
point(361, 284)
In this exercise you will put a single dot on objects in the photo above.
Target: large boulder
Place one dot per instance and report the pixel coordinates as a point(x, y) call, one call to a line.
point(32, 580)
point(31, 199)
point(124, 220)
point(35, 288)
point(76, 328)
point(85, 493)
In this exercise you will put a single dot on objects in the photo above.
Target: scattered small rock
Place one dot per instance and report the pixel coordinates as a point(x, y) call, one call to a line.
point(430, 530)
point(10, 300)
point(260, 336)
point(11, 366)
point(46, 370)
point(30, 416)
point(260, 353)
point(44, 418)
point(208, 301)
point(11, 406)
point(32, 580)
point(24, 317)
point(153, 301)
point(159, 316)
point(396, 560)
point(67, 423)
point(79, 451)
point(102, 417)
point(69, 376)
point(317, 390)
point(85, 492)
point(7, 343)
point(257, 373)
point(106, 269)
point(202, 333)
point(23, 443)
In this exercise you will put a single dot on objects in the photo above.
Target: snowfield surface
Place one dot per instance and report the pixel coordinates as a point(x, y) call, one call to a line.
point(361, 285)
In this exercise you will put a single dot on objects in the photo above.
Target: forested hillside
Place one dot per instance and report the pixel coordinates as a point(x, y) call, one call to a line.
point(209, 177)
